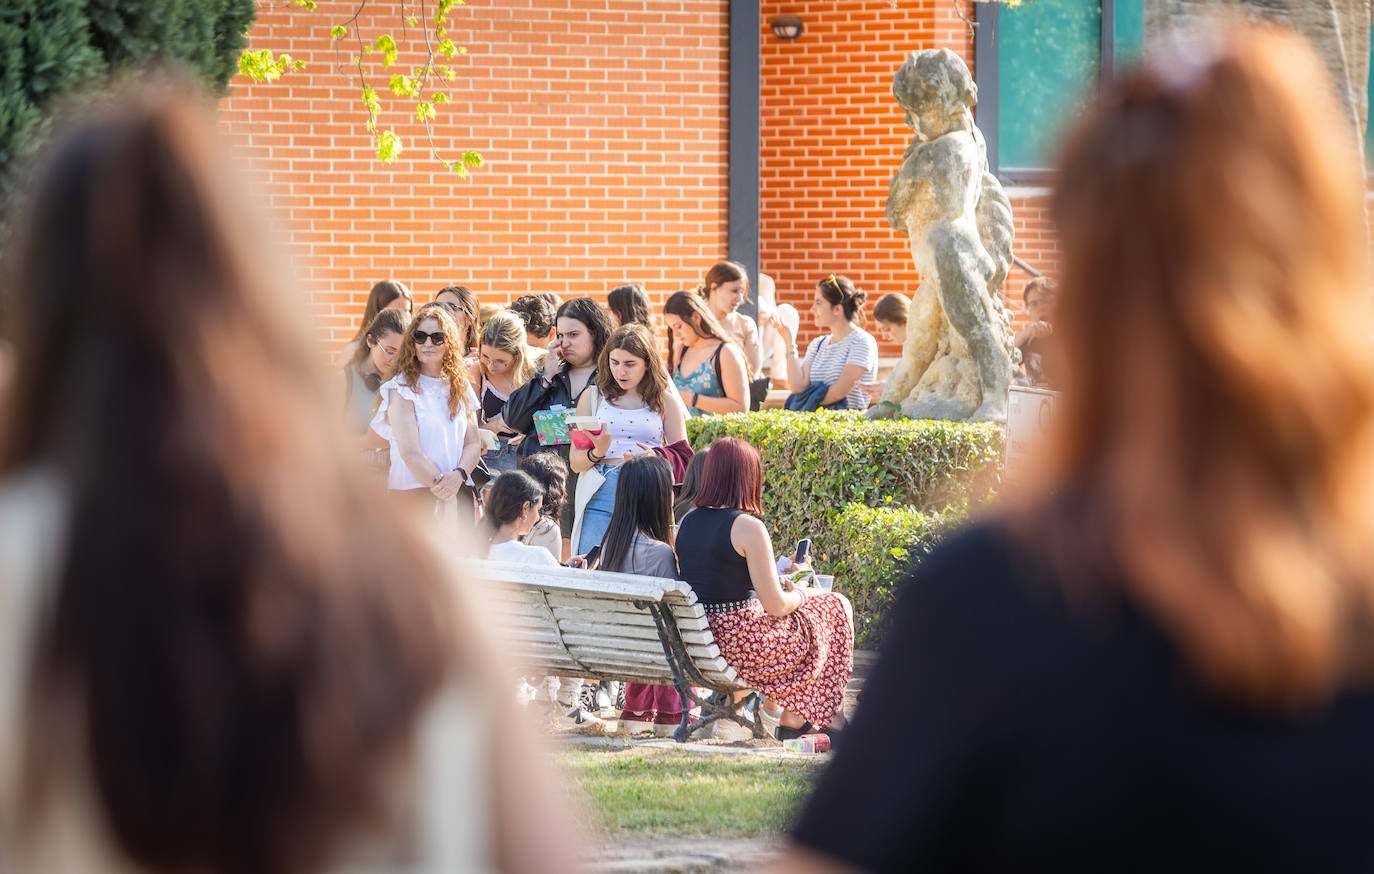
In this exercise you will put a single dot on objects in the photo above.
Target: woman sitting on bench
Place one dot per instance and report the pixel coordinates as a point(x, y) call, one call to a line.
point(792, 643)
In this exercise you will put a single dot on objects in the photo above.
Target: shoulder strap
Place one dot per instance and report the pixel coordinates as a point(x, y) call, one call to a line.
point(715, 363)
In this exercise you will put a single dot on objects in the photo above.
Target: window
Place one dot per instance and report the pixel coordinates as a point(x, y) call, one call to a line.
point(1036, 64)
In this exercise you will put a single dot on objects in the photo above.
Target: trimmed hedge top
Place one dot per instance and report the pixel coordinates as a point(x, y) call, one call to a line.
point(816, 463)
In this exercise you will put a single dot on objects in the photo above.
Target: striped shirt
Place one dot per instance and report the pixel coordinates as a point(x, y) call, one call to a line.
point(827, 360)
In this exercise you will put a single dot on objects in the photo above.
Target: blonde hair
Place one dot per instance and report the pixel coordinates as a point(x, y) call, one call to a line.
point(1218, 397)
point(505, 332)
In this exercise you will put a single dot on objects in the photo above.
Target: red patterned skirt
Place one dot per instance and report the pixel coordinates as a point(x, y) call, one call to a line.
point(802, 660)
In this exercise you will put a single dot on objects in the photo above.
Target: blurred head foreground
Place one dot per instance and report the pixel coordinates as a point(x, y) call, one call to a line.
point(1219, 379)
point(246, 633)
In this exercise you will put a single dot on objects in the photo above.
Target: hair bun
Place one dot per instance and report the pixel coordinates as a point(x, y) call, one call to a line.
point(859, 297)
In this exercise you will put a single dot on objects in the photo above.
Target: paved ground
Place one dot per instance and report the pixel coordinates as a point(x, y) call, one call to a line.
point(684, 855)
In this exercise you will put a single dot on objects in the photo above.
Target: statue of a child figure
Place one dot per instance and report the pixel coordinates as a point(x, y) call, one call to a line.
point(958, 359)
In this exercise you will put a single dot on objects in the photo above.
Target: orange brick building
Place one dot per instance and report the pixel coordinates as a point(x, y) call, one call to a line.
point(605, 126)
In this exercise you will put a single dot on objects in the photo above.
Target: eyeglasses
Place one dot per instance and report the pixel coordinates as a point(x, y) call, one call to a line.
point(452, 307)
point(437, 338)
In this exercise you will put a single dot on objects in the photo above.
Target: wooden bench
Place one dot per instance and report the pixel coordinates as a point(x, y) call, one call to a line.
point(610, 626)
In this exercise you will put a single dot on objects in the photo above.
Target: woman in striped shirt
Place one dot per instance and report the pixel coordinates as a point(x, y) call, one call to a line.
point(845, 357)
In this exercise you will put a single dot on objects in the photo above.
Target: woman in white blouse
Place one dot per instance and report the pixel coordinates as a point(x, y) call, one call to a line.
point(845, 357)
point(428, 413)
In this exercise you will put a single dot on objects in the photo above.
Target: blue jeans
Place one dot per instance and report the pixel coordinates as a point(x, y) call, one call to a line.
point(503, 459)
point(596, 517)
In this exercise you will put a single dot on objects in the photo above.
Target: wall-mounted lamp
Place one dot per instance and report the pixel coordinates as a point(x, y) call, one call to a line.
point(787, 26)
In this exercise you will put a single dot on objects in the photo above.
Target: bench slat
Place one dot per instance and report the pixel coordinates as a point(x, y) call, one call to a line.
point(576, 579)
point(689, 617)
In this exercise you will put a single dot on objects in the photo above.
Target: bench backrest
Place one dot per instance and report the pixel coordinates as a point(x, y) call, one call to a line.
point(581, 623)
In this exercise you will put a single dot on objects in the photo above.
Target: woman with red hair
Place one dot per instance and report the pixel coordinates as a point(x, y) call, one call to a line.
point(792, 643)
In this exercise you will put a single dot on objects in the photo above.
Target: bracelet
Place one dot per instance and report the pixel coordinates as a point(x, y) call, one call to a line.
point(466, 475)
point(694, 399)
point(801, 591)
point(793, 353)
point(593, 457)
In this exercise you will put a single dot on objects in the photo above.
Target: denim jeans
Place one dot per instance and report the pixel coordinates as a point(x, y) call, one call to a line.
point(596, 517)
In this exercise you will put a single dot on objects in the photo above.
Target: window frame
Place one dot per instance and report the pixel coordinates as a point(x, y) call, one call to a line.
point(985, 66)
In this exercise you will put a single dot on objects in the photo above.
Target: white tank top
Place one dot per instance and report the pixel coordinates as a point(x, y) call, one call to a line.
point(629, 427)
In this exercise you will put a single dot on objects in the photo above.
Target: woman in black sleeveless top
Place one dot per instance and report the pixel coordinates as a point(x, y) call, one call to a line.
point(793, 644)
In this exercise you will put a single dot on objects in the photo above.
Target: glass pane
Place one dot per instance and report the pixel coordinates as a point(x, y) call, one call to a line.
point(1047, 62)
point(1369, 85)
point(1128, 32)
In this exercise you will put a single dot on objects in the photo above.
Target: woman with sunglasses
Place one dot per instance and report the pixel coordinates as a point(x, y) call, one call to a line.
point(844, 358)
point(428, 413)
point(462, 306)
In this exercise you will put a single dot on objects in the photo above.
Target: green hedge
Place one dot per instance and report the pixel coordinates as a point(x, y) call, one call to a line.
point(816, 463)
point(872, 549)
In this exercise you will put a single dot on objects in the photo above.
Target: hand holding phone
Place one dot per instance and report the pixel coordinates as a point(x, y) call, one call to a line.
point(803, 550)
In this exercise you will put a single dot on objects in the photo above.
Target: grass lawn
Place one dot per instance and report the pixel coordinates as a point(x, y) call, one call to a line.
point(673, 792)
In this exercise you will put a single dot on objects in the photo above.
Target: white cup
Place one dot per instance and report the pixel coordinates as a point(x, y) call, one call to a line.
point(824, 582)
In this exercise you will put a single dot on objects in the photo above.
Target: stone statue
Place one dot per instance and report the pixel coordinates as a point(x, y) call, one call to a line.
point(958, 359)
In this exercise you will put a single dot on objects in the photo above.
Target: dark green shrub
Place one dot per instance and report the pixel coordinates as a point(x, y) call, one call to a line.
point(50, 48)
point(816, 463)
point(872, 549)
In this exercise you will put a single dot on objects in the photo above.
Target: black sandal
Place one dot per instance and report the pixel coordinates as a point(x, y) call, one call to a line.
point(785, 733)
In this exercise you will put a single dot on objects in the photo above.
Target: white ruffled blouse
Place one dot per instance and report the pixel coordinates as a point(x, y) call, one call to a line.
point(441, 436)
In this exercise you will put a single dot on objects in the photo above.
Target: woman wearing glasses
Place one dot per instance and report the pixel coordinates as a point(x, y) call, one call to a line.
point(845, 357)
point(428, 413)
point(461, 303)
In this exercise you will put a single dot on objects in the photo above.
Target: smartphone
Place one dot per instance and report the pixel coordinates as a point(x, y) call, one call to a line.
point(803, 548)
point(593, 554)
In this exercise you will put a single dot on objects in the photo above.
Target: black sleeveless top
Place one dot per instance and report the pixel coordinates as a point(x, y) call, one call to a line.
point(707, 561)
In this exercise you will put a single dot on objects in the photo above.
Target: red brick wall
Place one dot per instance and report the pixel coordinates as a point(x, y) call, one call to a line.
point(832, 138)
point(603, 123)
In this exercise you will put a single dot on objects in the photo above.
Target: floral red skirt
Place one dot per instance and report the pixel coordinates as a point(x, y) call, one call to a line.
point(802, 660)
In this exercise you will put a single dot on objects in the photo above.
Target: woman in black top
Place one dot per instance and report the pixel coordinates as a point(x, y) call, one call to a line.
point(1161, 660)
point(792, 643)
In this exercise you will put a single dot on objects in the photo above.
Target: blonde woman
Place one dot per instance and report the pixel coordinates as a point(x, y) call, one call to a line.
point(505, 365)
point(428, 413)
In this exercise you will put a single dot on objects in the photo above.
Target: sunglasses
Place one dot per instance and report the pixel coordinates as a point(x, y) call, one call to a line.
point(452, 307)
point(437, 338)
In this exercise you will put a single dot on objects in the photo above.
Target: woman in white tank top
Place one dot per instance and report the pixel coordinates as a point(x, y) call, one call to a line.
point(638, 415)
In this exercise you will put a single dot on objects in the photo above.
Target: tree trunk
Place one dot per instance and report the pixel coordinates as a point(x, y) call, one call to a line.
point(1339, 29)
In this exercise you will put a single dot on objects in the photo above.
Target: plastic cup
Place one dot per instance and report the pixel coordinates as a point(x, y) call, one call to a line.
point(824, 582)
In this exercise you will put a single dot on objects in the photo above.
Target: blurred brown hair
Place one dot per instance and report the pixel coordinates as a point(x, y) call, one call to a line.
point(382, 294)
point(1218, 396)
point(240, 669)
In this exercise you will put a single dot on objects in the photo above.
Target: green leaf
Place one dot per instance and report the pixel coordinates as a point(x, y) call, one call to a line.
point(447, 48)
point(338, 31)
point(440, 97)
point(388, 146)
point(387, 46)
point(472, 159)
point(424, 111)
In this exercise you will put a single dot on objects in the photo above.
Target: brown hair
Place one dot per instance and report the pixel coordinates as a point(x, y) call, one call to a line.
point(388, 321)
point(839, 291)
point(1037, 285)
point(722, 273)
point(630, 303)
point(455, 369)
point(892, 308)
point(732, 477)
point(467, 303)
point(246, 668)
point(692, 309)
point(1218, 403)
point(382, 293)
point(635, 339)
